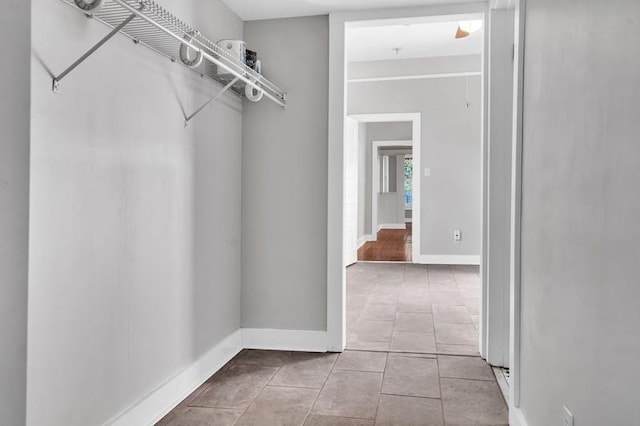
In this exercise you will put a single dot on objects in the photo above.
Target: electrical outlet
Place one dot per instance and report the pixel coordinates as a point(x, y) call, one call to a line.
point(567, 417)
point(457, 236)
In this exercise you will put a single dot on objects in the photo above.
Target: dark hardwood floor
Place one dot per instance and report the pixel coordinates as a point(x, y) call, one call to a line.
point(393, 245)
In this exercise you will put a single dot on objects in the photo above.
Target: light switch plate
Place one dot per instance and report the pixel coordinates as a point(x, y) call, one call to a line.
point(427, 172)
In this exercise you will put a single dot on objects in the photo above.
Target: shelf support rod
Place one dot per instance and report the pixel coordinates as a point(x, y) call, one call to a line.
point(116, 30)
point(220, 93)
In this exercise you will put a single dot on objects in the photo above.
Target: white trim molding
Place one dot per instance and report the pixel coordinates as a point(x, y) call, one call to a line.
point(392, 226)
point(167, 396)
point(516, 206)
point(516, 418)
point(284, 340)
point(365, 239)
point(414, 77)
point(447, 259)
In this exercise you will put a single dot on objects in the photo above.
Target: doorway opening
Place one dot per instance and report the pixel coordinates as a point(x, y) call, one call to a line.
point(498, 60)
point(382, 202)
point(391, 204)
point(431, 303)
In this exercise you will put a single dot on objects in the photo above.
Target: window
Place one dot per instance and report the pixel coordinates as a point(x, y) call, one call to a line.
point(408, 181)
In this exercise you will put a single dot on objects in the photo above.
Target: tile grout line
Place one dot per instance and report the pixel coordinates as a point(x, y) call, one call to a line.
point(411, 396)
point(320, 391)
point(261, 390)
point(375, 416)
point(444, 420)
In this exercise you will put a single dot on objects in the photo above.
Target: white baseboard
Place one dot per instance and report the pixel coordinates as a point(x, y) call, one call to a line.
point(364, 239)
point(516, 418)
point(167, 396)
point(429, 259)
point(392, 226)
point(284, 340)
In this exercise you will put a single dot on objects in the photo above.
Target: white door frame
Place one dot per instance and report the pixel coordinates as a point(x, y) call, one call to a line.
point(375, 179)
point(515, 415)
point(351, 193)
point(336, 273)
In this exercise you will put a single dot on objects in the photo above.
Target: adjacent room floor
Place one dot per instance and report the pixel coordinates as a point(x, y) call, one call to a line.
point(402, 377)
point(392, 245)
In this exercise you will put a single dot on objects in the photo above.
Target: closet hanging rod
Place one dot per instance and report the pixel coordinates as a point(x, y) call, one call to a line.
point(159, 30)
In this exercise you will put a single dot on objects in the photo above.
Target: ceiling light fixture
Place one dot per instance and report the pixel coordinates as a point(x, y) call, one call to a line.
point(467, 27)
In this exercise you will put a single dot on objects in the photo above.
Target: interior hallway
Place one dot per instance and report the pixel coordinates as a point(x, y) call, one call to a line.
point(405, 317)
point(392, 245)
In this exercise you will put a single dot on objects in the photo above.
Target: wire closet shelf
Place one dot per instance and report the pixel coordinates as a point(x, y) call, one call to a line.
point(149, 24)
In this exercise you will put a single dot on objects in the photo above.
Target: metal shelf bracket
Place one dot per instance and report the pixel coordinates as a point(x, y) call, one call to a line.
point(149, 24)
point(215, 97)
point(116, 30)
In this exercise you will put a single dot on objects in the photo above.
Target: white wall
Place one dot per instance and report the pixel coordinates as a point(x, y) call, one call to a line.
point(451, 148)
point(15, 31)
point(580, 209)
point(135, 221)
point(285, 196)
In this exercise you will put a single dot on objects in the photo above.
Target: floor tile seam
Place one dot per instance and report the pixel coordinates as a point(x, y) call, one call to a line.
point(459, 355)
point(384, 372)
point(434, 354)
point(412, 396)
point(260, 393)
point(208, 383)
point(293, 386)
point(467, 378)
point(358, 371)
point(394, 352)
point(315, 401)
point(344, 417)
point(219, 407)
point(444, 420)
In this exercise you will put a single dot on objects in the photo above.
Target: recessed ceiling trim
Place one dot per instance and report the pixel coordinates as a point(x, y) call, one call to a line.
point(414, 77)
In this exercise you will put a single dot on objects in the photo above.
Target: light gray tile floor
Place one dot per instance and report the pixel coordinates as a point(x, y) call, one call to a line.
point(420, 367)
point(425, 309)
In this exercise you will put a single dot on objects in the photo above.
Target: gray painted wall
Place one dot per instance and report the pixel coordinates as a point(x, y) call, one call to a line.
point(15, 32)
point(284, 187)
point(135, 221)
point(451, 148)
point(580, 208)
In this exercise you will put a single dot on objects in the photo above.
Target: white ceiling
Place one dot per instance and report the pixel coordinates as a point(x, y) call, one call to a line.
point(250, 10)
point(420, 40)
